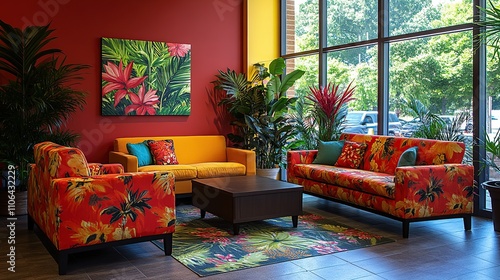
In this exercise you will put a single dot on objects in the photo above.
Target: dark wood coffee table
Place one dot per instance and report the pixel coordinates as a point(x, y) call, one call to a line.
point(242, 199)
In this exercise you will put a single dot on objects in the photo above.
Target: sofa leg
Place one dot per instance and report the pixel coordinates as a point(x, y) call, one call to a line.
point(167, 244)
point(31, 223)
point(406, 229)
point(62, 261)
point(468, 222)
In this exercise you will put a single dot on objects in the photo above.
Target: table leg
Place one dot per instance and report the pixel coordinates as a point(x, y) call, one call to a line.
point(295, 221)
point(236, 229)
point(203, 212)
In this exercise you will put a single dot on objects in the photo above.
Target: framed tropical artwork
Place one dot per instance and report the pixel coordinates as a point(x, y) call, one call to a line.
point(145, 78)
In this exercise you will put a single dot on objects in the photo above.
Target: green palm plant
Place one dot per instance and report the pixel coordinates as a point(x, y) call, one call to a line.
point(304, 124)
point(492, 147)
point(273, 126)
point(38, 97)
point(434, 127)
point(243, 97)
point(491, 20)
point(260, 110)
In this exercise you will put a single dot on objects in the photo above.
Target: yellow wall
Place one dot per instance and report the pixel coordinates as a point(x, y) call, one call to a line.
point(262, 32)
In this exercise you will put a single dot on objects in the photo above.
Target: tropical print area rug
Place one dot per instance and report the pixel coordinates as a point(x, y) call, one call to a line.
point(207, 246)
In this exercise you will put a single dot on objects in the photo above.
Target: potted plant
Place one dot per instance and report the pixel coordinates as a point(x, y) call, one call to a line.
point(260, 109)
point(329, 109)
point(36, 98)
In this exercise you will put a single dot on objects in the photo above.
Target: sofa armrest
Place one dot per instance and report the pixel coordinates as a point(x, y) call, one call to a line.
point(245, 157)
point(298, 157)
point(129, 162)
point(105, 168)
point(434, 190)
point(89, 210)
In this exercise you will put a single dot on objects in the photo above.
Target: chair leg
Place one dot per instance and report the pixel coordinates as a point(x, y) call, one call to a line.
point(468, 222)
point(62, 261)
point(406, 229)
point(31, 223)
point(167, 244)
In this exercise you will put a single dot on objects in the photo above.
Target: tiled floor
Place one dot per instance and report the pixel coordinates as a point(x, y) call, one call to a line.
point(435, 250)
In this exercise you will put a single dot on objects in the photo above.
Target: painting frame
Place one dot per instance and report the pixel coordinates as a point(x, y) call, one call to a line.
point(145, 78)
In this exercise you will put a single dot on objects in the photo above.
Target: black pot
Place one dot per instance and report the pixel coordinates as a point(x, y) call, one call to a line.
point(494, 188)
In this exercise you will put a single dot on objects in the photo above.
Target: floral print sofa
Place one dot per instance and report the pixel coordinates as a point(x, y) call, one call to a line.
point(80, 206)
point(437, 186)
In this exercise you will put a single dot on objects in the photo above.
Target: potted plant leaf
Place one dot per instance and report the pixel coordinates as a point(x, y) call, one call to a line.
point(260, 110)
point(36, 99)
point(329, 109)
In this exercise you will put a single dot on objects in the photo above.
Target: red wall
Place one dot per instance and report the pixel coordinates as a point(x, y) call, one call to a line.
point(213, 28)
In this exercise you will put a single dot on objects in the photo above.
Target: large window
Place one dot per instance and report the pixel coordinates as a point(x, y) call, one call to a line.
point(397, 51)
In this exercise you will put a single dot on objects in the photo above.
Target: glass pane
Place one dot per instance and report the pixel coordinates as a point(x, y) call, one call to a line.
point(434, 75)
point(351, 21)
point(493, 107)
point(408, 16)
point(357, 65)
point(302, 25)
point(309, 64)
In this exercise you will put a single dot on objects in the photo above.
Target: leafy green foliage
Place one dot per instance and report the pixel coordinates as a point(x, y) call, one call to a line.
point(260, 110)
point(437, 67)
point(492, 23)
point(38, 99)
point(432, 126)
point(492, 147)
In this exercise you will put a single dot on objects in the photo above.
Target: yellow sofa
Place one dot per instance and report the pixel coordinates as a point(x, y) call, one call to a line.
point(203, 156)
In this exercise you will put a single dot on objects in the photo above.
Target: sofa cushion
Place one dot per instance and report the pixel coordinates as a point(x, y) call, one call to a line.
point(328, 152)
point(188, 149)
point(163, 151)
point(219, 169)
point(317, 172)
point(408, 157)
point(181, 171)
point(375, 183)
point(352, 154)
point(141, 151)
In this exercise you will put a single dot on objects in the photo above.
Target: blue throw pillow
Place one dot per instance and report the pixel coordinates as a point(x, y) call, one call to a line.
point(408, 157)
point(141, 151)
point(328, 152)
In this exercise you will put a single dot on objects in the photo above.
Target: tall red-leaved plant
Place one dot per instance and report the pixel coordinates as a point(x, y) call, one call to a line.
point(329, 106)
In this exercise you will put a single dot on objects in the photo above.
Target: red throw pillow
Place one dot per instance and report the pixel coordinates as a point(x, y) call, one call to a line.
point(163, 152)
point(351, 155)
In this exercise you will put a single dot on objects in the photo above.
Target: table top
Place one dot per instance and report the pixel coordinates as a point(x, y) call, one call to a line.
point(244, 185)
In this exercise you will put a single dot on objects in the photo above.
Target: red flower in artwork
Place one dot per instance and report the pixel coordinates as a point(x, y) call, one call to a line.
point(119, 80)
point(179, 50)
point(143, 103)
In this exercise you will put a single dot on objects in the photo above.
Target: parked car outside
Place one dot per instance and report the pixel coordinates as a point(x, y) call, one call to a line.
point(409, 127)
point(362, 121)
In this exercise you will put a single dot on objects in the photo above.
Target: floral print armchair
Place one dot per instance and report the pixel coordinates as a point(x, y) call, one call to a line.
point(81, 206)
